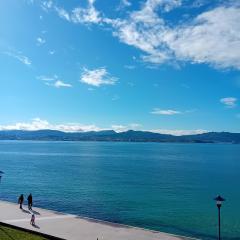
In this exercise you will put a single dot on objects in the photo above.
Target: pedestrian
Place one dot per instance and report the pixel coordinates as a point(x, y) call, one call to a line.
point(30, 201)
point(20, 200)
point(32, 221)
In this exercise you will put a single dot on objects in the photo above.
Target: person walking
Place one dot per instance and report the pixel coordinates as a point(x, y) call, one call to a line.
point(30, 201)
point(32, 221)
point(20, 200)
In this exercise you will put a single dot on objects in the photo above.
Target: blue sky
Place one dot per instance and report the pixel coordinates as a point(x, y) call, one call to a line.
point(166, 66)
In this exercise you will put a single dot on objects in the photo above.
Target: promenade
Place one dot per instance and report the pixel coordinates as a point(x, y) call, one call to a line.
point(72, 227)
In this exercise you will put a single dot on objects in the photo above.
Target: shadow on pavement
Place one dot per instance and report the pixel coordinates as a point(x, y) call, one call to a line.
point(25, 211)
point(36, 226)
point(35, 212)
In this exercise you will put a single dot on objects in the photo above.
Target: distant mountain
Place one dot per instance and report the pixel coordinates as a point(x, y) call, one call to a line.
point(128, 136)
point(216, 137)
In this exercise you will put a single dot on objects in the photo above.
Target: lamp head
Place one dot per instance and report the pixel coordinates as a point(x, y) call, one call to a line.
point(219, 200)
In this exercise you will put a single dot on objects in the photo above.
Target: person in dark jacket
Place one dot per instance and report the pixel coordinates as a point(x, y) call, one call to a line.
point(20, 200)
point(30, 201)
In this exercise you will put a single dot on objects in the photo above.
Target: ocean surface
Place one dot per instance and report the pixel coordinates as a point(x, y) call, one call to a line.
point(162, 186)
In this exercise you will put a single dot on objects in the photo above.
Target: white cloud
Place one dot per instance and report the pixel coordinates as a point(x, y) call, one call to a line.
point(36, 124)
point(144, 30)
point(77, 128)
point(46, 5)
point(59, 84)
point(47, 78)
point(126, 3)
point(18, 55)
point(211, 37)
point(81, 15)
point(135, 125)
point(63, 13)
point(165, 112)
point(130, 67)
point(86, 15)
point(51, 52)
point(123, 4)
point(97, 77)
point(39, 124)
point(54, 81)
point(40, 41)
point(123, 128)
point(119, 128)
point(179, 132)
point(229, 102)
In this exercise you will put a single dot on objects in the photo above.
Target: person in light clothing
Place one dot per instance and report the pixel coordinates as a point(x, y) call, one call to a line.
point(32, 222)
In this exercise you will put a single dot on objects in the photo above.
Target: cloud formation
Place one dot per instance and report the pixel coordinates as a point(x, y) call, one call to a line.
point(179, 132)
point(80, 15)
point(51, 52)
point(86, 15)
point(229, 102)
point(60, 84)
point(40, 124)
point(40, 41)
point(168, 112)
point(211, 37)
point(54, 81)
point(97, 77)
point(123, 128)
point(47, 78)
point(20, 57)
point(46, 4)
point(123, 4)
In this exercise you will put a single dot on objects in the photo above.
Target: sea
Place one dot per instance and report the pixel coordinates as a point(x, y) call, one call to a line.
point(166, 187)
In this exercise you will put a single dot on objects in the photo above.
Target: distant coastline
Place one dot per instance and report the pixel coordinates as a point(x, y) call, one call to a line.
point(127, 136)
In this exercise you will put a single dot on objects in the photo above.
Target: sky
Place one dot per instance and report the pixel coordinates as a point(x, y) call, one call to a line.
point(157, 65)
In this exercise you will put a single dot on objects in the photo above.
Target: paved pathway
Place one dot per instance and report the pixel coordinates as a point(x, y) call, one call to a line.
point(72, 227)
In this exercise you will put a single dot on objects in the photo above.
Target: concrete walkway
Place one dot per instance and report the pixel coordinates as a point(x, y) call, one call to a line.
point(72, 227)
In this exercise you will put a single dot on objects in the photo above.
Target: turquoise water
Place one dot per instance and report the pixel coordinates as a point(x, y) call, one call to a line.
point(166, 187)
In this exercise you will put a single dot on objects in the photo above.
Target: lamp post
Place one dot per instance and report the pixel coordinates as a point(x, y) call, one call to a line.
point(219, 201)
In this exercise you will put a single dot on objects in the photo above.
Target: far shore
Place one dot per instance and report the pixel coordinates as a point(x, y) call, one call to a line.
point(116, 141)
point(112, 136)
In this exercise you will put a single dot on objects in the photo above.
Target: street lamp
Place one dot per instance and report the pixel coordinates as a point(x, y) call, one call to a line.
point(219, 201)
